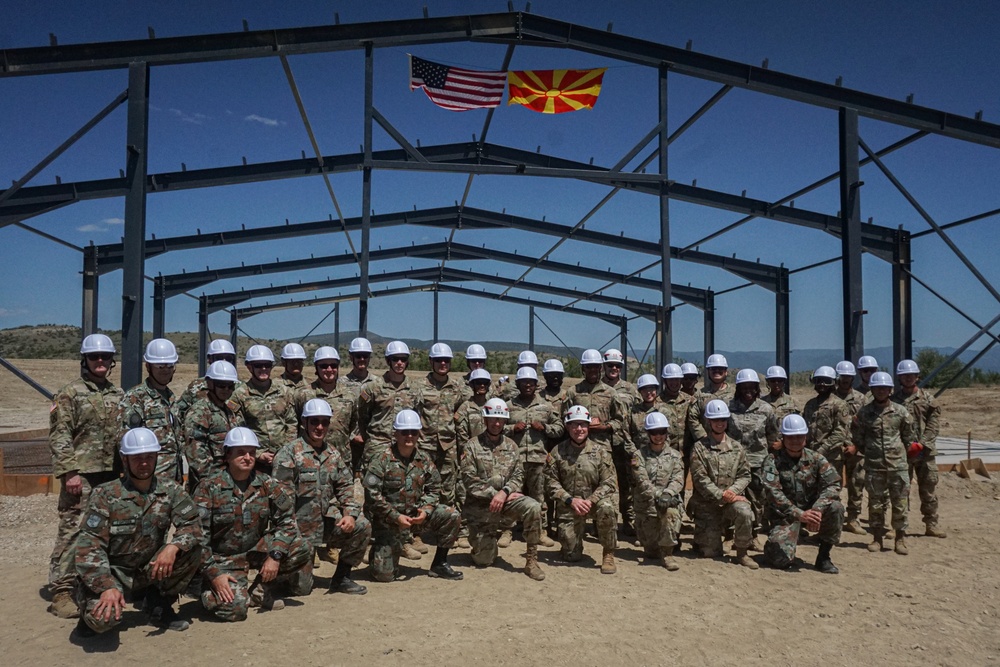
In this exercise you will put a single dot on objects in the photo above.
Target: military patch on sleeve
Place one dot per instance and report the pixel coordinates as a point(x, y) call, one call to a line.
point(372, 481)
point(134, 419)
point(205, 513)
point(186, 508)
point(94, 520)
point(769, 476)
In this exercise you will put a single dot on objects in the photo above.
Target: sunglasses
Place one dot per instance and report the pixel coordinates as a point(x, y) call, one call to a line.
point(261, 366)
point(100, 356)
point(359, 355)
point(164, 367)
point(397, 360)
point(325, 365)
point(224, 385)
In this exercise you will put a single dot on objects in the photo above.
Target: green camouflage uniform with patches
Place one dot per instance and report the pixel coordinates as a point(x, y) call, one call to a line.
point(755, 427)
point(437, 405)
point(696, 411)
point(269, 413)
point(378, 403)
point(627, 391)
point(145, 406)
point(657, 494)
point(468, 421)
point(587, 473)
point(926, 418)
point(677, 413)
point(635, 426)
point(884, 434)
point(854, 465)
point(782, 405)
point(829, 428)
point(294, 385)
point(343, 424)
point(205, 429)
point(716, 467)
point(196, 391)
point(532, 444)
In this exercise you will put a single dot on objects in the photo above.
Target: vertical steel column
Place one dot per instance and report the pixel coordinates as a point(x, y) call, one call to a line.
point(531, 327)
point(436, 316)
point(91, 283)
point(234, 327)
point(850, 215)
point(902, 304)
point(709, 324)
point(336, 325)
point(159, 307)
point(134, 265)
point(366, 194)
point(782, 326)
point(203, 333)
point(623, 345)
point(665, 346)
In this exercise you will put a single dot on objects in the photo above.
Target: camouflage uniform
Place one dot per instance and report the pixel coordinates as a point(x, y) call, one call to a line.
point(627, 391)
point(437, 405)
point(829, 428)
point(242, 527)
point(343, 424)
point(323, 487)
point(635, 426)
point(531, 443)
point(587, 473)
point(883, 435)
point(696, 411)
point(715, 467)
point(782, 405)
point(294, 385)
point(205, 429)
point(378, 403)
point(556, 400)
point(354, 385)
point(658, 485)
point(677, 412)
point(755, 427)
point(122, 533)
point(396, 486)
point(270, 414)
point(854, 466)
point(197, 390)
point(926, 416)
point(144, 406)
point(794, 486)
point(468, 421)
point(83, 437)
point(486, 469)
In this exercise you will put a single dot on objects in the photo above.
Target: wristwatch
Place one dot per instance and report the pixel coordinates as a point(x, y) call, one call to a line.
point(276, 555)
point(569, 501)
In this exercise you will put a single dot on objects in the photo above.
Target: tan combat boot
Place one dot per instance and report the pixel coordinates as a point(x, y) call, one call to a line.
point(743, 559)
point(546, 541)
point(933, 531)
point(900, 547)
point(852, 526)
point(531, 567)
point(63, 606)
point(505, 539)
point(876, 544)
point(410, 553)
point(669, 561)
point(608, 564)
point(419, 545)
point(329, 554)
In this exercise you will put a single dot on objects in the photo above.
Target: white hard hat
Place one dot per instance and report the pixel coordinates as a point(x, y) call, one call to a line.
point(689, 369)
point(259, 353)
point(553, 366)
point(591, 357)
point(396, 348)
point(325, 352)
point(220, 346)
point(526, 373)
point(794, 425)
point(672, 372)
point(577, 413)
point(480, 374)
point(440, 351)
point(475, 352)
point(907, 366)
point(359, 345)
point(716, 361)
point(747, 375)
point(222, 371)
point(97, 343)
point(527, 357)
point(293, 351)
point(655, 420)
point(845, 368)
point(716, 409)
point(824, 372)
point(613, 356)
point(160, 351)
point(647, 380)
point(867, 362)
point(775, 372)
point(407, 420)
point(139, 441)
point(316, 407)
point(880, 379)
point(496, 407)
point(241, 436)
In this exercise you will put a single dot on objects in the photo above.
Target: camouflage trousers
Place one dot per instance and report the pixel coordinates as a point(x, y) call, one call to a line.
point(779, 550)
point(926, 472)
point(534, 487)
point(352, 545)
point(570, 528)
point(387, 540)
point(623, 463)
point(295, 568)
point(710, 518)
point(131, 580)
point(885, 487)
point(357, 456)
point(485, 526)
point(854, 472)
point(446, 461)
point(657, 529)
point(70, 508)
point(754, 493)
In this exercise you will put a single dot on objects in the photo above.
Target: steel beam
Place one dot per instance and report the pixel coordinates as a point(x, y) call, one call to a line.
point(623, 346)
point(709, 326)
point(366, 192)
point(436, 313)
point(531, 327)
point(234, 326)
point(851, 246)
point(91, 284)
point(159, 307)
point(902, 299)
point(336, 325)
point(664, 338)
point(203, 313)
point(782, 324)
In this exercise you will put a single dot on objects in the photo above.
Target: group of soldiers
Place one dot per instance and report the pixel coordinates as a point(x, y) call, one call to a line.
point(235, 490)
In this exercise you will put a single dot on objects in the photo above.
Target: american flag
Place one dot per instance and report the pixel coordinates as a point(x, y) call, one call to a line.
point(457, 89)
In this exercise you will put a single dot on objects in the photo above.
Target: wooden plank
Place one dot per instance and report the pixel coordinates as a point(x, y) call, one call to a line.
point(27, 485)
point(17, 436)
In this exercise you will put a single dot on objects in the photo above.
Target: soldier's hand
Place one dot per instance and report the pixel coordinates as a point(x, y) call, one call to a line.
point(514, 496)
point(404, 521)
point(223, 591)
point(346, 524)
point(580, 506)
point(419, 519)
point(499, 498)
point(518, 427)
point(729, 496)
point(266, 457)
point(850, 450)
point(537, 425)
point(811, 520)
point(111, 602)
point(358, 439)
point(74, 484)
point(269, 570)
point(595, 421)
point(162, 566)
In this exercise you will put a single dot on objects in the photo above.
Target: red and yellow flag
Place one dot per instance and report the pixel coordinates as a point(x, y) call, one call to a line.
point(555, 90)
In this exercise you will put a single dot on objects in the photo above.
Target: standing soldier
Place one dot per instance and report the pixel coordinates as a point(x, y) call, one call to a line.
point(507, 390)
point(829, 419)
point(469, 415)
point(360, 352)
point(649, 402)
point(677, 404)
point(658, 486)
point(219, 349)
point(322, 484)
point(923, 465)
point(249, 519)
point(475, 359)
point(380, 400)
point(690, 382)
point(886, 434)
point(581, 483)
point(803, 490)
point(402, 489)
point(293, 360)
point(614, 363)
point(83, 427)
point(340, 398)
point(866, 366)
point(266, 407)
point(854, 462)
point(208, 421)
point(720, 473)
point(493, 476)
point(779, 400)
point(440, 396)
point(553, 391)
point(122, 546)
point(717, 370)
point(150, 404)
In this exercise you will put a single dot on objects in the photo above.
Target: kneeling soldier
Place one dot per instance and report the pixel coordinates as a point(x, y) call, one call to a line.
point(657, 483)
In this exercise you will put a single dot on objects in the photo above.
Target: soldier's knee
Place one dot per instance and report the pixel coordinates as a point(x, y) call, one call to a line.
point(776, 556)
point(99, 625)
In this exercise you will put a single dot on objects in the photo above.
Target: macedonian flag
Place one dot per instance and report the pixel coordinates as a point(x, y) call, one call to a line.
point(555, 90)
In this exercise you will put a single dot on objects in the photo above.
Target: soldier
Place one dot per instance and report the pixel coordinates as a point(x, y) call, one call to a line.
point(650, 401)
point(690, 381)
point(717, 369)
point(581, 483)
point(293, 360)
point(266, 407)
point(208, 421)
point(829, 419)
point(440, 397)
point(553, 391)
point(360, 352)
point(475, 358)
point(803, 490)
point(150, 404)
point(507, 390)
point(219, 349)
point(122, 546)
point(381, 399)
point(719, 474)
point(886, 436)
point(339, 397)
point(658, 481)
point(493, 474)
point(779, 400)
point(83, 427)
point(606, 408)
point(614, 363)
point(923, 465)
point(676, 404)
point(322, 484)
point(469, 415)
point(866, 366)
point(249, 519)
point(402, 489)
point(854, 462)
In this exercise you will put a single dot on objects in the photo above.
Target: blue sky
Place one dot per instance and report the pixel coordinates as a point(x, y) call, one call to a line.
point(215, 114)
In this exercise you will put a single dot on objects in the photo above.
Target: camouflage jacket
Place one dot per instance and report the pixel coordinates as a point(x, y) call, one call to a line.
point(796, 485)
point(829, 426)
point(677, 414)
point(123, 529)
point(635, 426)
point(438, 402)
point(83, 427)
point(395, 486)
point(294, 385)
point(262, 518)
point(197, 390)
point(604, 403)
point(142, 405)
point(205, 429)
point(269, 414)
point(574, 472)
point(555, 399)
point(468, 421)
point(782, 405)
point(926, 417)
point(487, 468)
point(355, 384)
point(627, 391)
point(884, 434)
point(343, 424)
point(378, 403)
point(855, 400)
point(507, 390)
point(696, 411)
point(655, 475)
point(717, 466)
point(531, 443)
point(755, 427)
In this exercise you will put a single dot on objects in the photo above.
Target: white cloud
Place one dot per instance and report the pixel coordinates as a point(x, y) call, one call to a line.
point(112, 221)
point(91, 228)
point(195, 118)
point(270, 122)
